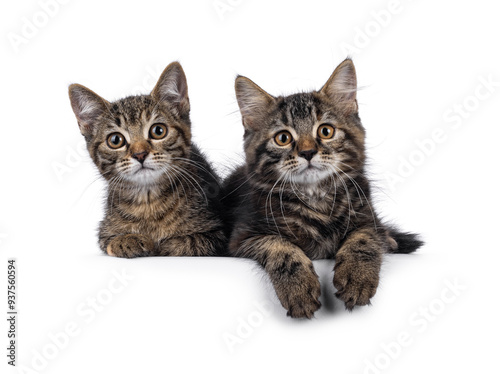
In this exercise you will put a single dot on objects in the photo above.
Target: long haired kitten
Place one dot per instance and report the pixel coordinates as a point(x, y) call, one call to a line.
point(303, 194)
point(161, 196)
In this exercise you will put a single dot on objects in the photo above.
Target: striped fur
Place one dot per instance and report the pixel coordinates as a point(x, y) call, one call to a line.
point(284, 210)
point(167, 205)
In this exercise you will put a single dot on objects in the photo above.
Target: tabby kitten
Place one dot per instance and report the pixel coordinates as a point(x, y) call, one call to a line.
point(161, 198)
point(303, 194)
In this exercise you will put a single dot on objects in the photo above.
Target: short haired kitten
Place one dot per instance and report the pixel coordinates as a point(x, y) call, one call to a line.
point(303, 194)
point(161, 199)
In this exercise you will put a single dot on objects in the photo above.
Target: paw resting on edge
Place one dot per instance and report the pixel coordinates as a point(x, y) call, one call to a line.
point(300, 295)
point(130, 246)
point(356, 284)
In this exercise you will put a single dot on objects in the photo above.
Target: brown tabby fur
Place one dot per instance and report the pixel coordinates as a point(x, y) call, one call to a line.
point(284, 208)
point(169, 205)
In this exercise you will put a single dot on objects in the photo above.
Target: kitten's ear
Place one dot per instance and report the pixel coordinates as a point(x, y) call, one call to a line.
point(172, 88)
point(253, 101)
point(88, 107)
point(341, 87)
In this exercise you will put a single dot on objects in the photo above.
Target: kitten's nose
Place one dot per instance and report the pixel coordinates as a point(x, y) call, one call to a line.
point(140, 156)
point(308, 154)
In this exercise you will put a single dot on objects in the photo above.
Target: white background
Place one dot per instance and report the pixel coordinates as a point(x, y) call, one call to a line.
point(417, 67)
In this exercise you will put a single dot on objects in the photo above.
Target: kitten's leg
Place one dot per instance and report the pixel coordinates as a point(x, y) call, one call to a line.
point(357, 267)
point(290, 270)
point(199, 244)
point(129, 246)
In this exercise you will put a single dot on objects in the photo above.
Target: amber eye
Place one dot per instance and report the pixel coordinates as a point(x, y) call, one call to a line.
point(116, 140)
point(158, 131)
point(283, 138)
point(326, 131)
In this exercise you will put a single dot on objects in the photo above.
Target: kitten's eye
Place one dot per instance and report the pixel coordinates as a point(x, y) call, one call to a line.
point(158, 131)
point(326, 131)
point(283, 138)
point(116, 140)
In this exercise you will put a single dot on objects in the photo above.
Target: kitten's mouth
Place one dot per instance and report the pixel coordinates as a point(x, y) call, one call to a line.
point(310, 173)
point(143, 168)
point(309, 168)
point(144, 175)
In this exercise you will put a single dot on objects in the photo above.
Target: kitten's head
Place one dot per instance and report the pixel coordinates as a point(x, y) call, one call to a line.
point(307, 137)
point(139, 139)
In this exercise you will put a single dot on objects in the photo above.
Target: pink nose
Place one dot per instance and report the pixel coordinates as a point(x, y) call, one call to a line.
point(140, 156)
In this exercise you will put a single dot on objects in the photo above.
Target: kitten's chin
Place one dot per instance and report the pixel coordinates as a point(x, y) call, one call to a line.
point(144, 177)
point(310, 175)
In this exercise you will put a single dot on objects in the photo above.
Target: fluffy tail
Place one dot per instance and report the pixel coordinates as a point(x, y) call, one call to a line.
point(403, 242)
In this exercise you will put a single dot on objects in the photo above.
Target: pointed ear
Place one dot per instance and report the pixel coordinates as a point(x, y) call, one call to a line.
point(172, 88)
point(253, 101)
point(341, 87)
point(88, 107)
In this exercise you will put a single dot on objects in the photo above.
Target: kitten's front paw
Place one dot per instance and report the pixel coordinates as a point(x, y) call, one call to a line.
point(356, 283)
point(300, 296)
point(303, 304)
point(130, 246)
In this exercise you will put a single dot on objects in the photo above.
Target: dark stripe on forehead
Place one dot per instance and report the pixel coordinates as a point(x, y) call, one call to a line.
point(282, 105)
point(111, 125)
point(300, 106)
point(132, 108)
point(301, 111)
point(147, 113)
point(282, 112)
point(284, 118)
